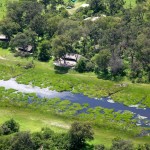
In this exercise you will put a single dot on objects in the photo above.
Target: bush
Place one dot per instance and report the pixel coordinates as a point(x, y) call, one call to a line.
point(99, 147)
point(10, 126)
point(5, 142)
point(84, 65)
point(45, 52)
point(79, 134)
point(81, 65)
point(22, 141)
point(90, 66)
point(120, 144)
point(29, 65)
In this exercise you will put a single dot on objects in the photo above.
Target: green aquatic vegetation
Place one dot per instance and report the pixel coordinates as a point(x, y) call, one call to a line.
point(91, 86)
point(101, 117)
point(66, 82)
point(99, 114)
point(63, 105)
point(9, 71)
point(134, 94)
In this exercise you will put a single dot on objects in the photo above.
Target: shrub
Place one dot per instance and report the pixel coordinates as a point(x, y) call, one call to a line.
point(90, 66)
point(81, 65)
point(22, 141)
point(10, 126)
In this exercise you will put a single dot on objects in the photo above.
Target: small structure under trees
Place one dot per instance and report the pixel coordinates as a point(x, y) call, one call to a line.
point(26, 49)
point(3, 37)
point(69, 60)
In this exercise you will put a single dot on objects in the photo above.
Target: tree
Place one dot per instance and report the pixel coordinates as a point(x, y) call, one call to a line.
point(97, 6)
point(79, 134)
point(102, 60)
point(99, 147)
point(53, 3)
point(63, 12)
point(45, 53)
point(52, 25)
point(48, 140)
point(5, 142)
point(15, 12)
point(143, 147)
point(38, 24)
point(81, 65)
point(22, 141)
point(30, 9)
point(61, 46)
point(119, 144)
point(9, 28)
point(23, 40)
point(24, 11)
point(140, 1)
point(10, 126)
point(116, 65)
point(67, 25)
point(114, 6)
point(45, 3)
point(32, 36)
point(20, 40)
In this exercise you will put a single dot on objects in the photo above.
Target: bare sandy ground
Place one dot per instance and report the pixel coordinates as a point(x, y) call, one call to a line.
point(2, 58)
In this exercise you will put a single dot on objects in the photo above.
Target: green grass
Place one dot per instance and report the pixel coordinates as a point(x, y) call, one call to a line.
point(105, 136)
point(134, 94)
point(130, 3)
point(34, 120)
point(2, 9)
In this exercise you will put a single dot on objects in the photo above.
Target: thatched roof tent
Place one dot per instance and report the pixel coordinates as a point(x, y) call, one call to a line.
point(70, 60)
point(3, 37)
point(73, 57)
point(28, 49)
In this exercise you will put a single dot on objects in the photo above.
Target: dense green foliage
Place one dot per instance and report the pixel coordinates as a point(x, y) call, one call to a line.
point(75, 139)
point(9, 127)
point(116, 42)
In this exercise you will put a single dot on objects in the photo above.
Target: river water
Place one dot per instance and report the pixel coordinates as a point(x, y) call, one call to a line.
point(143, 115)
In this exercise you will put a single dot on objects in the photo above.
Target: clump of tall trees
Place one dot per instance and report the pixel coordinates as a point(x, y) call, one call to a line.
point(116, 44)
point(75, 139)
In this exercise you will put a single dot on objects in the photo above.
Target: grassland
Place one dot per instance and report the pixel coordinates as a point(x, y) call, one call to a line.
point(130, 3)
point(2, 8)
point(35, 120)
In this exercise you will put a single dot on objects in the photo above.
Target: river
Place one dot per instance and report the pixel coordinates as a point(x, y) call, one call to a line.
point(142, 114)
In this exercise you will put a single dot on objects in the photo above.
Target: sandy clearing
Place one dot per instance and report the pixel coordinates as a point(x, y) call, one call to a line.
point(57, 124)
point(2, 58)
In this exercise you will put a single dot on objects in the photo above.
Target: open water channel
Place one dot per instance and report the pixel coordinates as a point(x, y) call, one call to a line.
point(142, 114)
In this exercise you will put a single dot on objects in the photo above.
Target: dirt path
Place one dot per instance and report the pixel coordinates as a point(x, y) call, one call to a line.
point(57, 124)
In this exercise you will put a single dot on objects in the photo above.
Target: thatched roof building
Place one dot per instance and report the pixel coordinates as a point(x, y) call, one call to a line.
point(27, 49)
point(70, 60)
point(3, 37)
point(73, 57)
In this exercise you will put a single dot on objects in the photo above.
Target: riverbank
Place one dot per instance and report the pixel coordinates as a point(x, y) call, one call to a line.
point(44, 75)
